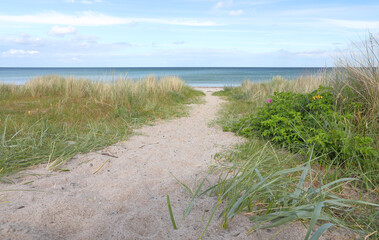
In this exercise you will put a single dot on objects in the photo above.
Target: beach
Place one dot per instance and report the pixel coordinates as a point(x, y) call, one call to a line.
point(120, 192)
point(190, 119)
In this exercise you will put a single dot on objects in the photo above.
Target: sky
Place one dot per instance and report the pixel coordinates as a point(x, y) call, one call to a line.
point(181, 33)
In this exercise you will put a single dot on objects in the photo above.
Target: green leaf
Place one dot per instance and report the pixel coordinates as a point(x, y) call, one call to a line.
point(171, 214)
point(193, 199)
point(315, 217)
point(184, 185)
point(321, 230)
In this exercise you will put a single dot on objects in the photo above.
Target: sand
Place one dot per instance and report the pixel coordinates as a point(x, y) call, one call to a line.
point(126, 197)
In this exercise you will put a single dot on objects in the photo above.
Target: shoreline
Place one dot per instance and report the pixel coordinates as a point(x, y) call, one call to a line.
point(201, 87)
point(193, 76)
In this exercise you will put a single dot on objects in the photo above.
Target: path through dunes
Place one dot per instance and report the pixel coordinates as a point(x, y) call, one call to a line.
point(126, 197)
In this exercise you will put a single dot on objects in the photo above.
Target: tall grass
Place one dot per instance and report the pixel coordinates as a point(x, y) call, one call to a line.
point(274, 188)
point(258, 92)
point(356, 81)
point(52, 118)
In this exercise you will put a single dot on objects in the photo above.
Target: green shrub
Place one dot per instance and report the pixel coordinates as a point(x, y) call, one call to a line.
point(299, 121)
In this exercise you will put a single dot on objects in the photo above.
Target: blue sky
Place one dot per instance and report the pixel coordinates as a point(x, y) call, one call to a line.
point(188, 33)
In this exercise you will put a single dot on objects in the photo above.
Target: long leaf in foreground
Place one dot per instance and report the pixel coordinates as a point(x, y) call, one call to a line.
point(289, 193)
point(170, 211)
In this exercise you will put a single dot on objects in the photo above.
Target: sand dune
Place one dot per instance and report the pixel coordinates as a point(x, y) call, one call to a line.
point(126, 197)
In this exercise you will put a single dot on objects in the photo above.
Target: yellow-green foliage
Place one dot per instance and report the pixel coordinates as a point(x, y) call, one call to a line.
point(248, 97)
point(261, 91)
point(117, 92)
point(40, 120)
point(356, 79)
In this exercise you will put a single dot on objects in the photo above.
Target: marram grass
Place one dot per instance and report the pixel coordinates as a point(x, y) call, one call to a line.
point(274, 189)
point(332, 196)
point(50, 119)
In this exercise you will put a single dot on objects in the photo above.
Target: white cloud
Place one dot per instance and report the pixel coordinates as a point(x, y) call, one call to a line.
point(90, 2)
point(223, 4)
point(18, 52)
point(75, 59)
point(256, 3)
point(307, 54)
point(89, 18)
point(370, 25)
point(85, 1)
point(22, 39)
point(61, 31)
point(236, 12)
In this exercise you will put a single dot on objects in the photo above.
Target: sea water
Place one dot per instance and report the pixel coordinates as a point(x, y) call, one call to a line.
point(194, 76)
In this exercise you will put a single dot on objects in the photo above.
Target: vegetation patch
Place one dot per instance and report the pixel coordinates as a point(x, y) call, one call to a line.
point(50, 119)
point(311, 153)
point(274, 188)
point(299, 122)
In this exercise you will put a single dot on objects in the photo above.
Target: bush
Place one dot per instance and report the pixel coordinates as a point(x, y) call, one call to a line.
point(300, 121)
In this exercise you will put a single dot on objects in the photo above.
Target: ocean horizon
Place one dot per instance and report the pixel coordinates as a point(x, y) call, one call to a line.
point(193, 76)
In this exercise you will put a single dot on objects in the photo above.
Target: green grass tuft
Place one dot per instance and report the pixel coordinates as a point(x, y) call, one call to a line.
point(50, 119)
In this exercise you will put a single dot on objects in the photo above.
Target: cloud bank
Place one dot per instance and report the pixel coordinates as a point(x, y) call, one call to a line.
point(62, 31)
point(90, 18)
point(19, 52)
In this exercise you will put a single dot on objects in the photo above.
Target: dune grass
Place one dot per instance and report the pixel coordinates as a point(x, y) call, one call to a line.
point(274, 186)
point(356, 83)
point(50, 119)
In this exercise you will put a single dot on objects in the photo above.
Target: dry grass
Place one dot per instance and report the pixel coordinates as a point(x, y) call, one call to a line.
point(111, 92)
point(260, 91)
point(38, 119)
point(356, 79)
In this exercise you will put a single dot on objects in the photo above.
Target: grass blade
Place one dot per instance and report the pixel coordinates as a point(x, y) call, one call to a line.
point(302, 178)
point(4, 132)
point(262, 180)
point(171, 214)
point(184, 185)
point(334, 182)
point(193, 199)
point(282, 221)
point(321, 230)
point(209, 221)
point(315, 217)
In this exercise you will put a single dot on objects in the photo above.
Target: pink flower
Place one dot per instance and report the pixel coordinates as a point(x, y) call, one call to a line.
point(269, 100)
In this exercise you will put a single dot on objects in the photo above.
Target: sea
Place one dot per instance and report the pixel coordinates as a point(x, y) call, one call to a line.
point(193, 76)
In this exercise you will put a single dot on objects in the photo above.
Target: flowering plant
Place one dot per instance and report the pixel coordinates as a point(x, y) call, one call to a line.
point(296, 121)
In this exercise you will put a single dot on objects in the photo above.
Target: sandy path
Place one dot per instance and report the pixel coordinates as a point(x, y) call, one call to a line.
point(126, 198)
